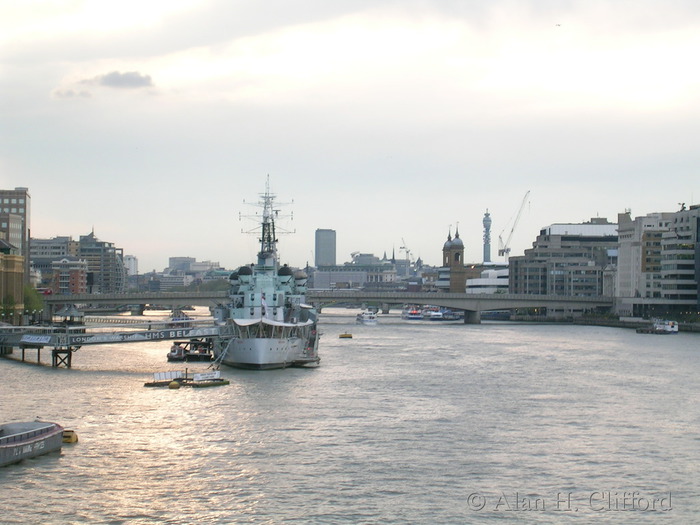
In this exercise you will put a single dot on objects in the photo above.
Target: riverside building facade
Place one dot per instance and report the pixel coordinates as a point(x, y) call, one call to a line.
point(567, 259)
point(15, 227)
point(659, 264)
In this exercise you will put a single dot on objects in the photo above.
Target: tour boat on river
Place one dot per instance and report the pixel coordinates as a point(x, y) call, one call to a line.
point(20, 441)
point(267, 323)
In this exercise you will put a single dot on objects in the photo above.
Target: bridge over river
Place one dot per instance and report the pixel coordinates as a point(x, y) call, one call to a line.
point(471, 304)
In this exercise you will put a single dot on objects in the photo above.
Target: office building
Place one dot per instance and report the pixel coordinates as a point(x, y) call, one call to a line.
point(16, 203)
point(106, 270)
point(11, 283)
point(68, 276)
point(325, 249)
point(566, 259)
point(132, 265)
point(659, 264)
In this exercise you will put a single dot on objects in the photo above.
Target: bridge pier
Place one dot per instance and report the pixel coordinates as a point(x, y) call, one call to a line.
point(472, 317)
point(385, 308)
point(62, 356)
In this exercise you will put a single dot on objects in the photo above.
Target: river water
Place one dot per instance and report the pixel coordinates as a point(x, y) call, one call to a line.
point(407, 422)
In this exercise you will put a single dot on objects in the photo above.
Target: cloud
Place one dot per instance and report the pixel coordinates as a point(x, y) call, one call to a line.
point(115, 79)
point(70, 93)
point(128, 80)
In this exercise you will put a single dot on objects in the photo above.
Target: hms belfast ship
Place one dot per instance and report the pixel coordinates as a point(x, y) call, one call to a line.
point(266, 323)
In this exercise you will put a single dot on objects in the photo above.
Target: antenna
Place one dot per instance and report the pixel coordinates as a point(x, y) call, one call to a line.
point(265, 202)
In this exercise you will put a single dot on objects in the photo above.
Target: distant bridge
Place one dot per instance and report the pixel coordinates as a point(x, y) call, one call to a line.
point(172, 299)
point(471, 304)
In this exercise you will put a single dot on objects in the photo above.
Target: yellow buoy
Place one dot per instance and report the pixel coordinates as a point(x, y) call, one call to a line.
point(174, 385)
point(69, 436)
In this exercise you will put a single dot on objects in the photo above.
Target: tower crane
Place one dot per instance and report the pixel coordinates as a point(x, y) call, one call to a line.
point(504, 247)
point(406, 250)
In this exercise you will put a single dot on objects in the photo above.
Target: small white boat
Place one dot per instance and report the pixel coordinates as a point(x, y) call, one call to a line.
point(367, 318)
point(20, 441)
point(445, 314)
point(660, 326)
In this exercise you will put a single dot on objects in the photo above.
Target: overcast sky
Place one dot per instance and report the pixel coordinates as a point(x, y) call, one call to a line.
point(388, 121)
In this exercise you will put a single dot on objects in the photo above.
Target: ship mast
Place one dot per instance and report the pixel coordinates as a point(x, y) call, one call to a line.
point(268, 242)
point(267, 256)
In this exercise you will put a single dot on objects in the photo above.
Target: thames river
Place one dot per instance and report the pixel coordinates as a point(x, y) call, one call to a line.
point(416, 422)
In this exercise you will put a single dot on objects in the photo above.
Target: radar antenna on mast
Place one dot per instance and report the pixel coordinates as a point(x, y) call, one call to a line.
point(269, 214)
point(266, 226)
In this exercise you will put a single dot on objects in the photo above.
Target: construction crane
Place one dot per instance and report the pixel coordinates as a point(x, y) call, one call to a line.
point(504, 247)
point(406, 250)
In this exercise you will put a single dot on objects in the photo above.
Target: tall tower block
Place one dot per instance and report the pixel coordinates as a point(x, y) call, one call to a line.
point(487, 236)
point(325, 247)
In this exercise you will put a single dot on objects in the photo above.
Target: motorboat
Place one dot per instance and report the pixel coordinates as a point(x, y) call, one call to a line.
point(366, 318)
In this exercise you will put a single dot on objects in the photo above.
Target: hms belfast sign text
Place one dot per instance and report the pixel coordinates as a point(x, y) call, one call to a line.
point(135, 337)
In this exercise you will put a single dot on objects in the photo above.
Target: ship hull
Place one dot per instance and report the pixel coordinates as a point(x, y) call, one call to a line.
point(262, 353)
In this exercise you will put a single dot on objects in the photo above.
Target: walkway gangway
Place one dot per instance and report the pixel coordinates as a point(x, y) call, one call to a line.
point(66, 339)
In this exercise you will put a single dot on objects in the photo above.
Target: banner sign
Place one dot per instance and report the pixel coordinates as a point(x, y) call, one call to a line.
point(204, 376)
point(35, 339)
point(136, 337)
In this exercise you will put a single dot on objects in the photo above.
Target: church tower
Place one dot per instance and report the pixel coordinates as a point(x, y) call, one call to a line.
point(453, 261)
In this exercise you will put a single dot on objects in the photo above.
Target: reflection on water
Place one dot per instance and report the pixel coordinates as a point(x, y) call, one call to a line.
point(407, 422)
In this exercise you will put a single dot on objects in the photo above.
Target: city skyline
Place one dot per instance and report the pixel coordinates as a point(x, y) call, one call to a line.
point(387, 122)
